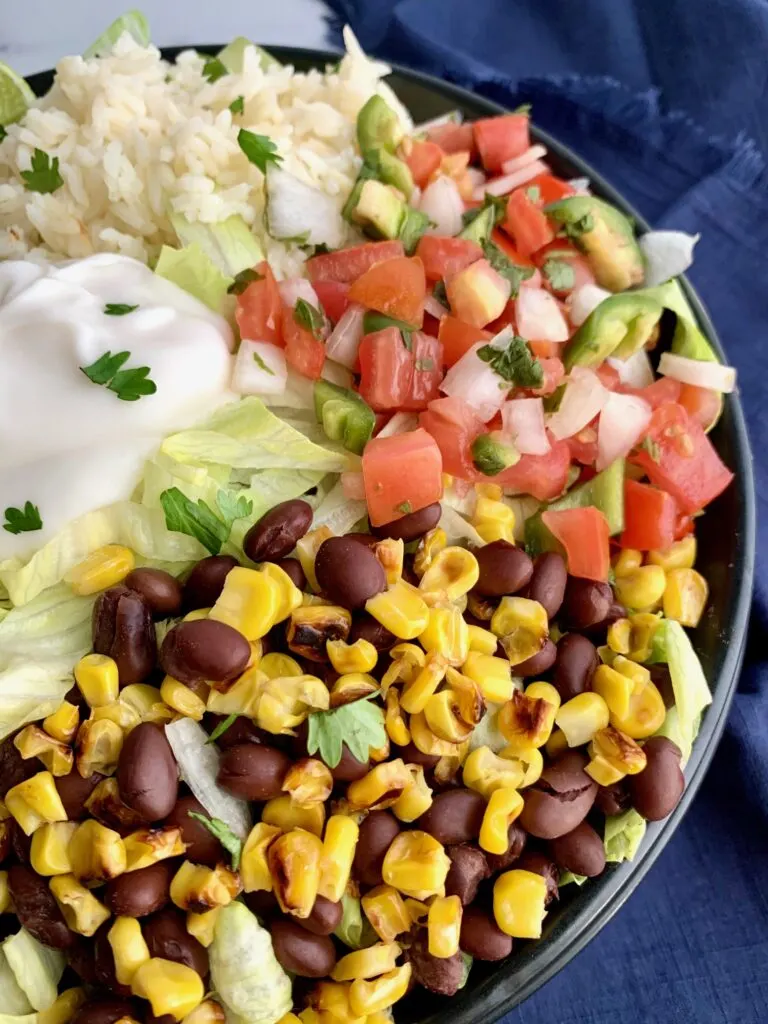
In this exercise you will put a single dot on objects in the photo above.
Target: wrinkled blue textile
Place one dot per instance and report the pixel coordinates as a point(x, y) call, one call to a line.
point(691, 944)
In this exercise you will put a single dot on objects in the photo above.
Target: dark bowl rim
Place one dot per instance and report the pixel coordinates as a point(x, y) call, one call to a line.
point(537, 963)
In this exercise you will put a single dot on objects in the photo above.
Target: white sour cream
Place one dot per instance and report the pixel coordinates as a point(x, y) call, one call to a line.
point(69, 445)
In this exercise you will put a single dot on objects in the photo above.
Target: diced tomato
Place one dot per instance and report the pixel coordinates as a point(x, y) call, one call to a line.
point(499, 139)
point(423, 159)
point(402, 474)
point(680, 459)
point(554, 373)
point(665, 389)
point(333, 296)
point(584, 534)
point(452, 137)
point(702, 404)
point(650, 517)
point(507, 319)
point(457, 338)
point(396, 287)
point(346, 265)
point(303, 351)
point(526, 223)
point(259, 309)
point(454, 425)
point(543, 476)
point(583, 446)
point(427, 371)
point(551, 188)
point(562, 250)
point(386, 369)
point(609, 376)
point(444, 256)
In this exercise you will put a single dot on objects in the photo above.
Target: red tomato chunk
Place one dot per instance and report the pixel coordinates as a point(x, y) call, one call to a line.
point(584, 534)
point(650, 517)
point(347, 265)
point(401, 474)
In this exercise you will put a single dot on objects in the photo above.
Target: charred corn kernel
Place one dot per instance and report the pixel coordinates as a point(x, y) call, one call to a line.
point(603, 772)
point(642, 588)
point(615, 688)
point(454, 572)
point(377, 754)
point(274, 665)
point(179, 697)
point(470, 701)
point(556, 745)
point(385, 909)
point(307, 549)
point(680, 555)
point(169, 987)
point(203, 926)
point(486, 772)
point(35, 801)
point(100, 570)
point(97, 853)
point(620, 636)
point(5, 893)
point(149, 845)
point(308, 782)
point(199, 888)
point(146, 702)
point(330, 998)
point(367, 997)
point(367, 963)
point(430, 545)
point(416, 864)
point(528, 717)
point(285, 703)
point(64, 1008)
point(627, 560)
point(352, 686)
point(62, 724)
point(286, 814)
point(416, 798)
point(339, 845)
point(211, 1012)
point(482, 641)
point(543, 691)
point(685, 596)
point(97, 678)
point(421, 687)
point(381, 787)
point(295, 860)
point(99, 743)
point(49, 853)
point(529, 758)
point(504, 805)
point(395, 724)
point(129, 950)
point(83, 913)
point(493, 675)
point(449, 766)
point(444, 926)
point(310, 629)
point(33, 741)
point(407, 659)
point(645, 715)
point(242, 697)
point(105, 805)
point(518, 903)
point(390, 554)
point(250, 602)
point(522, 626)
point(401, 609)
point(619, 750)
point(644, 626)
point(123, 715)
point(290, 595)
point(446, 634)
point(443, 718)
point(254, 870)
point(480, 607)
point(361, 656)
point(426, 741)
point(581, 717)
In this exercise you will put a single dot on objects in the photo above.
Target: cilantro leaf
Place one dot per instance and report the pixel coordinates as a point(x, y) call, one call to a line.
point(221, 728)
point(214, 69)
point(577, 228)
point(651, 446)
point(233, 507)
point(221, 830)
point(499, 205)
point(193, 518)
point(309, 317)
point(26, 520)
point(237, 106)
point(242, 280)
point(262, 365)
point(503, 265)
point(259, 149)
point(514, 364)
point(405, 507)
point(44, 175)
point(360, 725)
point(560, 274)
point(104, 369)
point(118, 309)
point(128, 385)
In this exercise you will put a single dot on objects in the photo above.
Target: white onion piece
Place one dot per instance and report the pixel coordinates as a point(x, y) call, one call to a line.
point(636, 371)
point(295, 209)
point(523, 423)
point(434, 307)
point(622, 421)
point(442, 203)
point(198, 762)
point(584, 300)
point(539, 317)
point(260, 369)
point(452, 117)
point(295, 288)
point(508, 182)
point(401, 423)
point(338, 512)
point(335, 373)
point(701, 374)
point(580, 185)
point(531, 154)
point(346, 336)
point(667, 254)
point(582, 400)
point(474, 381)
point(457, 529)
point(476, 176)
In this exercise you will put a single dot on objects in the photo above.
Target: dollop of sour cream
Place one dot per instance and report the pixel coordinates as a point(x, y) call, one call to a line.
point(69, 445)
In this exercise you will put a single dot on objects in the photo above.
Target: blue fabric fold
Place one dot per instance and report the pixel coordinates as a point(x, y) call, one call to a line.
point(610, 80)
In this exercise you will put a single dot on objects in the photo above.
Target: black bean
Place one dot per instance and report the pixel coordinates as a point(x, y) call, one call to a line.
point(205, 583)
point(140, 893)
point(202, 846)
point(468, 868)
point(348, 572)
point(349, 769)
point(547, 584)
point(441, 975)
point(481, 937)
point(576, 662)
point(252, 771)
point(275, 535)
point(203, 650)
point(560, 800)
point(541, 864)
point(411, 526)
point(516, 840)
point(365, 627)
point(613, 799)
point(586, 603)
point(74, 790)
point(581, 851)
point(301, 952)
point(454, 817)
point(36, 908)
point(325, 917)
point(123, 629)
point(377, 831)
point(161, 591)
point(504, 569)
point(657, 789)
point(147, 774)
point(292, 567)
point(540, 662)
point(104, 1010)
point(13, 767)
point(167, 937)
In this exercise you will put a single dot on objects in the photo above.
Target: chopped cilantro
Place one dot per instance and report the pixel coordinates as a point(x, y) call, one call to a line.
point(44, 175)
point(214, 69)
point(559, 274)
point(26, 520)
point(309, 317)
point(259, 149)
point(262, 365)
point(128, 385)
point(118, 309)
point(514, 364)
point(237, 105)
point(242, 280)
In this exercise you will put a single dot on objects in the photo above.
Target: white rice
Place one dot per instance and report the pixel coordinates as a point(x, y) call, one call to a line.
point(137, 138)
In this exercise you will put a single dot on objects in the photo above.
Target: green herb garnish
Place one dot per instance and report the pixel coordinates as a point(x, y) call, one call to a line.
point(514, 364)
point(198, 520)
point(118, 309)
point(577, 228)
point(503, 265)
point(262, 365)
point(214, 69)
point(221, 830)
point(259, 149)
point(405, 507)
point(242, 280)
point(44, 176)
point(221, 728)
point(26, 520)
point(560, 274)
point(360, 725)
point(499, 205)
point(309, 317)
point(128, 385)
point(237, 106)
point(534, 193)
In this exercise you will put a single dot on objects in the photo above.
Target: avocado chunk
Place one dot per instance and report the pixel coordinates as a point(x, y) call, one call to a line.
point(605, 236)
point(492, 455)
point(378, 210)
point(605, 491)
point(618, 327)
point(345, 416)
point(413, 227)
point(479, 227)
point(378, 127)
point(392, 171)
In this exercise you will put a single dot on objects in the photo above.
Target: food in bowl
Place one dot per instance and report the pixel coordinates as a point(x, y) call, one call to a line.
point(349, 540)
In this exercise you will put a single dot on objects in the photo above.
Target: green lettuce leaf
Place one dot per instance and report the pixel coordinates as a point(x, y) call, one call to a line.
point(32, 689)
point(193, 270)
point(230, 245)
point(623, 835)
point(355, 929)
point(55, 624)
point(567, 877)
point(14, 1000)
point(692, 694)
point(37, 968)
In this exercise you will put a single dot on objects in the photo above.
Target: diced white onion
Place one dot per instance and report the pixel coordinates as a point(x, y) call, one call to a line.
point(401, 423)
point(636, 371)
point(476, 176)
point(337, 374)
point(452, 117)
point(622, 421)
point(580, 185)
point(523, 423)
point(582, 400)
point(434, 307)
point(295, 288)
point(442, 203)
point(583, 301)
point(508, 182)
point(297, 210)
point(345, 338)
point(701, 374)
point(457, 529)
point(477, 383)
point(539, 317)
point(667, 254)
point(531, 154)
point(260, 369)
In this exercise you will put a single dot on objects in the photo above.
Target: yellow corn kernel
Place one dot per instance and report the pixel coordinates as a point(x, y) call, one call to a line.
point(444, 926)
point(407, 659)
point(196, 615)
point(367, 963)
point(644, 626)
point(310, 628)
point(430, 545)
point(35, 801)
point(529, 758)
point(454, 572)
point(449, 765)
point(470, 702)
point(149, 845)
point(290, 595)
point(493, 510)
point(199, 888)
point(100, 570)
point(254, 870)
point(307, 549)
point(522, 626)
point(443, 718)
point(581, 717)
point(331, 1000)
point(518, 903)
point(169, 987)
point(275, 665)
point(482, 641)
point(64, 1008)
point(83, 913)
point(203, 926)
point(339, 845)
point(639, 674)
point(426, 741)
point(603, 772)
point(417, 865)
point(401, 609)
point(62, 724)
point(289, 1018)
point(493, 675)
point(211, 1012)
point(50, 845)
point(123, 715)
point(620, 636)
point(99, 742)
point(615, 688)
point(179, 697)
point(418, 691)
point(97, 853)
point(146, 702)
point(284, 703)
point(504, 805)
point(416, 798)
point(250, 602)
point(528, 717)
point(97, 678)
point(390, 554)
point(308, 782)
point(447, 634)
point(361, 656)
point(486, 772)
point(680, 555)
point(5, 893)
point(613, 748)
point(368, 997)
point(351, 687)
point(493, 491)
point(286, 814)
point(641, 589)
point(685, 596)
point(385, 909)
point(308, 1016)
point(556, 745)
point(645, 715)
point(243, 696)
point(381, 787)
point(129, 949)
point(543, 691)
point(57, 757)
point(417, 911)
point(491, 531)
point(295, 860)
point(627, 560)
point(394, 722)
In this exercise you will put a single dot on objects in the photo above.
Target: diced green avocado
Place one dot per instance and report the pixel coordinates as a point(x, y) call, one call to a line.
point(378, 210)
point(413, 227)
point(538, 538)
point(605, 491)
point(479, 227)
point(491, 455)
point(605, 236)
point(393, 171)
point(345, 416)
point(618, 327)
point(378, 127)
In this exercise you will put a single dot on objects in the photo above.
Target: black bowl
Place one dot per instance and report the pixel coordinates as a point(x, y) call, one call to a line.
point(726, 536)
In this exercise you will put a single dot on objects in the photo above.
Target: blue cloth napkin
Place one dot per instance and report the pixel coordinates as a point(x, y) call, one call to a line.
point(691, 945)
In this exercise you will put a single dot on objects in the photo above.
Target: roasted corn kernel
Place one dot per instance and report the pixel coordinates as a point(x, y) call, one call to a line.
point(99, 743)
point(339, 845)
point(444, 926)
point(310, 629)
point(211, 1012)
point(290, 595)
point(351, 687)
point(416, 798)
point(641, 589)
point(430, 545)
point(470, 700)
point(129, 950)
point(381, 787)
point(295, 860)
point(97, 853)
point(447, 634)
point(249, 602)
point(35, 801)
point(449, 765)
point(97, 679)
point(619, 636)
point(105, 805)
point(556, 745)
point(199, 888)
point(33, 741)
point(680, 555)
point(504, 805)
point(615, 688)
point(367, 997)
point(443, 718)
point(377, 754)
point(395, 724)
point(203, 926)
point(307, 549)
point(385, 909)
point(149, 845)
point(613, 749)
point(367, 963)
point(417, 910)
point(518, 903)
point(482, 608)
point(102, 569)
point(493, 675)
point(64, 1008)
point(254, 870)
point(494, 520)
point(522, 626)
point(308, 781)
point(169, 987)
point(401, 609)
point(581, 717)
point(331, 1000)
point(643, 628)
point(274, 665)
point(182, 699)
point(528, 717)
point(284, 703)
point(627, 560)
point(416, 864)
point(123, 715)
point(685, 596)
point(426, 741)
point(361, 656)
point(83, 913)
point(5, 893)
point(482, 641)
point(486, 772)
point(49, 852)
point(645, 715)
point(452, 573)
point(529, 758)
point(390, 554)
point(242, 697)
point(421, 687)
point(196, 615)
point(602, 771)
point(63, 723)
point(146, 702)
point(286, 814)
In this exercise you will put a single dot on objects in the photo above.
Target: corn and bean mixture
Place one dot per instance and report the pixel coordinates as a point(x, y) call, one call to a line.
point(426, 737)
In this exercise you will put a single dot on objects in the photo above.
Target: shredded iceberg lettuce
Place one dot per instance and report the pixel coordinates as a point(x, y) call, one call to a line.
point(623, 835)
point(37, 968)
point(692, 694)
